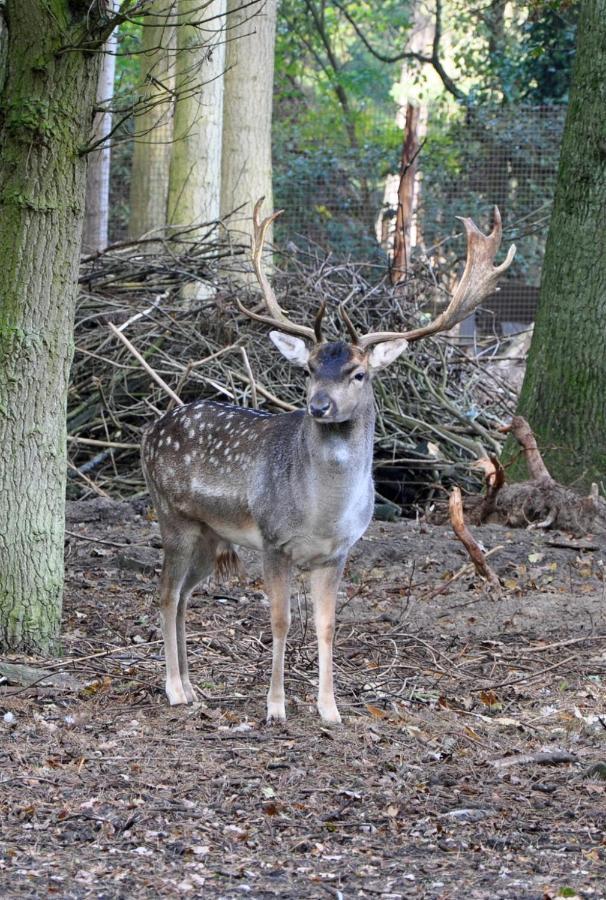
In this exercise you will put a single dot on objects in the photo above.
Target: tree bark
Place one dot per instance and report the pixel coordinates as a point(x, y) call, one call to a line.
point(195, 166)
point(246, 167)
point(153, 125)
point(47, 105)
point(96, 208)
point(565, 384)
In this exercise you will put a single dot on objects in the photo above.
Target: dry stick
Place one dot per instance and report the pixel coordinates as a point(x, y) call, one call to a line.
point(253, 386)
point(478, 558)
point(70, 660)
point(85, 537)
point(93, 443)
point(99, 491)
point(146, 365)
point(523, 434)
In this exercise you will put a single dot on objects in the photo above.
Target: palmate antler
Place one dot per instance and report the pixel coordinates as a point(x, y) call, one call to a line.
point(479, 279)
point(277, 317)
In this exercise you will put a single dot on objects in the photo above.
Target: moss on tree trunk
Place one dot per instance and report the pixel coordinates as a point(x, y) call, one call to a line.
point(563, 396)
point(47, 105)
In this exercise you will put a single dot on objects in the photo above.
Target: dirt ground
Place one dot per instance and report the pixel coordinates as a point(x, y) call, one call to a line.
point(471, 762)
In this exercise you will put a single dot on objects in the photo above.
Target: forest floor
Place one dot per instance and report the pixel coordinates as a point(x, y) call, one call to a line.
point(471, 762)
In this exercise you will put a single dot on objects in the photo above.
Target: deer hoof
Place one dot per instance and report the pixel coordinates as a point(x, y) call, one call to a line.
point(276, 711)
point(329, 713)
point(175, 693)
point(190, 694)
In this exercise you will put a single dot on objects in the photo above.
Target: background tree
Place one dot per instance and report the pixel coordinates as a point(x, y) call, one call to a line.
point(246, 167)
point(47, 102)
point(194, 189)
point(153, 123)
point(565, 385)
point(96, 219)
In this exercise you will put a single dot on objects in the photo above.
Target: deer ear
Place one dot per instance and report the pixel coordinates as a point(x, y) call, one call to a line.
point(383, 354)
point(293, 348)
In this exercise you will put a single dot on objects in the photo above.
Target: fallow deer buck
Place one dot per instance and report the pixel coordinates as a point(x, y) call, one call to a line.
point(297, 486)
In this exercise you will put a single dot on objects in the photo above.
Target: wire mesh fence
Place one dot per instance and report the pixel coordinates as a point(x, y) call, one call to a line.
point(344, 199)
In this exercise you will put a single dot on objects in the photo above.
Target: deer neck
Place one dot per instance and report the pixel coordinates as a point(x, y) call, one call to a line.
point(341, 447)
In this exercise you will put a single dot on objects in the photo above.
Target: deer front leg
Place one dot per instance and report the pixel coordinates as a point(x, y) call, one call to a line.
point(324, 587)
point(277, 569)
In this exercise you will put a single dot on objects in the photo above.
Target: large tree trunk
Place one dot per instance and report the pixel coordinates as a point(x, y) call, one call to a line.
point(565, 385)
point(195, 166)
point(47, 105)
point(96, 208)
point(246, 170)
point(153, 125)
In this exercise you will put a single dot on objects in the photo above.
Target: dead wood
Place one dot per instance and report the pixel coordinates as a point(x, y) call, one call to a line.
point(542, 758)
point(469, 542)
point(523, 434)
point(540, 502)
point(436, 413)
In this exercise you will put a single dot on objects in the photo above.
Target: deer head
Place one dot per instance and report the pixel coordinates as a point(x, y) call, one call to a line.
point(341, 372)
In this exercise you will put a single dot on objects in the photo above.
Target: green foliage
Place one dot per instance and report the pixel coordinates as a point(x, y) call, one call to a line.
point(335, 136)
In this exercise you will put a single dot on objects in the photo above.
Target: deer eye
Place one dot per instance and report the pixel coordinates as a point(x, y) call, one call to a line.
point(359, 376)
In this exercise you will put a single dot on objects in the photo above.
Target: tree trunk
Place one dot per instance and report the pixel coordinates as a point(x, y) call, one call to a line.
point(47, 106)
point(96, 207)
point(153, 125)
point(246, 170)
point(406, 197)
point(565, 385)
point(195, 166)
point(402, 195)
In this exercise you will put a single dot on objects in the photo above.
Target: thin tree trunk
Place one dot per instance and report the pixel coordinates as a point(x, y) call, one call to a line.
point(96, 220)
point(565, 385)
point(406, 196)
point(195, 166)
point(246, 168)
point(153, 124)
point(47, 106)
point(402, 194)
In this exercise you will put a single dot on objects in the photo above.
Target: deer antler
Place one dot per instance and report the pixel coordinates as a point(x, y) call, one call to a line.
point(479, 279)
point(277, 317)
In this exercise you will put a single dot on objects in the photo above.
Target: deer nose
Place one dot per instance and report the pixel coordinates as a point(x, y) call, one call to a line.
point(319, 404)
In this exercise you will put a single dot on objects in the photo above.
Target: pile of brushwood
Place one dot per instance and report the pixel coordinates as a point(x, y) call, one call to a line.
point(439, 408)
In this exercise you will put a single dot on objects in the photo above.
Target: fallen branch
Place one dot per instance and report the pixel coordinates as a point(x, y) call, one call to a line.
point(543, 758)
point(477, 555)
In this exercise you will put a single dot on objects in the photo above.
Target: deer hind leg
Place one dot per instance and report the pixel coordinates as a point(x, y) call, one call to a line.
point(181, 551)
point(276, 570)
point(324, 587)
point(201, 566)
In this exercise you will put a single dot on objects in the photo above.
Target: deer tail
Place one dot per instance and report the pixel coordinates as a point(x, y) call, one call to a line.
point(227, 561)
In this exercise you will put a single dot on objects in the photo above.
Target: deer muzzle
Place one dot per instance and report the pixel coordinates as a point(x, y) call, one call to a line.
point(320, 405)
